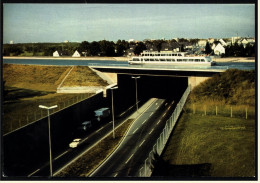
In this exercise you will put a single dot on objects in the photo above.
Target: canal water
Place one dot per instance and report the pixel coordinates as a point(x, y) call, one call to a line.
point(66, 62)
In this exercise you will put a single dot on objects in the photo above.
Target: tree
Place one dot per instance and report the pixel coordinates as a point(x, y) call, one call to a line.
point(158, 44)
point(107, 48)
point(84, 46)
point(139, 48)
point(94, 48)
point(208, 49)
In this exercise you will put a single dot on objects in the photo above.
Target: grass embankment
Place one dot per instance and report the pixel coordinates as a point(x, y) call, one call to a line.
point(83, 166)
point(28, 86)
point(213, 146)
point(83, 76)
point(210, 145)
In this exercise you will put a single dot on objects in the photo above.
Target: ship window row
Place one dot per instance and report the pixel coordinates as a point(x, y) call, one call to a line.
point(175, 54)
point(169, 60)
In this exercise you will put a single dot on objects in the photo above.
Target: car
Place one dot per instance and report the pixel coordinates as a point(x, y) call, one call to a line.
point(85, 125)
point(75, 143)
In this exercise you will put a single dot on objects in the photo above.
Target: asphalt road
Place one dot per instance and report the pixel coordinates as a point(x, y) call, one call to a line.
point(91, 137)
point(129, 157)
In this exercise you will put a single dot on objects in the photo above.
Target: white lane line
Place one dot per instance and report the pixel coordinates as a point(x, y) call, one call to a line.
point(115, 174)
point(33, 173)
point(141, 143)
point(144, 121)
point(151, 131)
point(99, 129)
point(122, 114)
point(158, 122)
point(129, 158)
point(164, 114)
point(151, 114)
point(61, 155)
point(169, 107)
point(135, 130)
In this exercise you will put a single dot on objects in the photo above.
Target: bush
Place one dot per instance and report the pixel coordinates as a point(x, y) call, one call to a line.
point(231, 87)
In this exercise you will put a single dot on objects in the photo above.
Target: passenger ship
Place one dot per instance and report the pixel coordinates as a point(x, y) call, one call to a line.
point(170, 58)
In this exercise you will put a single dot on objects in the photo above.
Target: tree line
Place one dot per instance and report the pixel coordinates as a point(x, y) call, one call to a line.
point(110, 48)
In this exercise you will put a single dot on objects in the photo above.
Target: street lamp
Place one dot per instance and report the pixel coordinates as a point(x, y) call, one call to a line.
point(113, 110)
point(49, 127)
point(136, 77)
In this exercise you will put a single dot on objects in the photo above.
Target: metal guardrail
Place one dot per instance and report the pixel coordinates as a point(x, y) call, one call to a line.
point(158, 147)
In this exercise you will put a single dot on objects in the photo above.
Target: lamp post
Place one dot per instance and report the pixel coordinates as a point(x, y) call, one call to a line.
point(113, 110)
point(49, 127)
point(136, 77)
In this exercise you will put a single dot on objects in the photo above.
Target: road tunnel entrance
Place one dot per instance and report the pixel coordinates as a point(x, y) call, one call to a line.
point(152, 86)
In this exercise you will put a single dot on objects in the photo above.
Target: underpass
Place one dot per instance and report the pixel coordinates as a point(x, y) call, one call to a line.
point(162, 84)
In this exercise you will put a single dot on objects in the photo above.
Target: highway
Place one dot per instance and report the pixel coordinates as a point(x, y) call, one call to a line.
point(128, 158)
point(93, 136)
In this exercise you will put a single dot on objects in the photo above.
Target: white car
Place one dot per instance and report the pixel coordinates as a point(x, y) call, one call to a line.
point(75, 143)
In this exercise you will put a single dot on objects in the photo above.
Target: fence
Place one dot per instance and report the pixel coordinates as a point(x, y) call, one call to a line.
point(233, 111)
point(21, 120)
point(158, 147)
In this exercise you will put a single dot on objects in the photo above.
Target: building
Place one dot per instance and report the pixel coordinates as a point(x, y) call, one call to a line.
point(60, 53)
point(76, 54)
point(202, 42)
point(219, 49)
point(223, 43)
point(56, 54)
point(131, 40)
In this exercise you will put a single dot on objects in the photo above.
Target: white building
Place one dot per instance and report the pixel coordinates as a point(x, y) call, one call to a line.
point(219, 49)
point(234, 39)
point(202, 42)
point(131, 40)
point(56, 54)
point(76, 54)
point(223, 43)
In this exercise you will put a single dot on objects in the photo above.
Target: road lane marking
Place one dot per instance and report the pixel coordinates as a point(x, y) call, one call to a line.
point(169, 107)
point(164, 114)
point(122, 114)
point(115, 174)
point(141, 143)
point(33, 173)
point(144, 121)
point(99, 129)
point(158, 122)
point(129, 159)
point(151, 131)
point(61, 155)
point(151, 114)
point(135, 130)
point(118, 146)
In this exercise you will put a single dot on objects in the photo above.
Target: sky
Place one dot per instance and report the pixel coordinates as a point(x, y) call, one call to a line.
point(29, 23)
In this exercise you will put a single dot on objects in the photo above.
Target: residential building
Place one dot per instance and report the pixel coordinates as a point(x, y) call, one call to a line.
point(76, 54)
point(219, 49)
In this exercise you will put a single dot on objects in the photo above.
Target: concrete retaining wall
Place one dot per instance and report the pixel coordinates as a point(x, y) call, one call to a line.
point(79, 89)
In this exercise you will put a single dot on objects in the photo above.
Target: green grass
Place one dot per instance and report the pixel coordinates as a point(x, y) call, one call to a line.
point(226, 144)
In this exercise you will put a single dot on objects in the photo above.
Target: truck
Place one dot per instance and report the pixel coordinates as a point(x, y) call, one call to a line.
point(102, 113)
